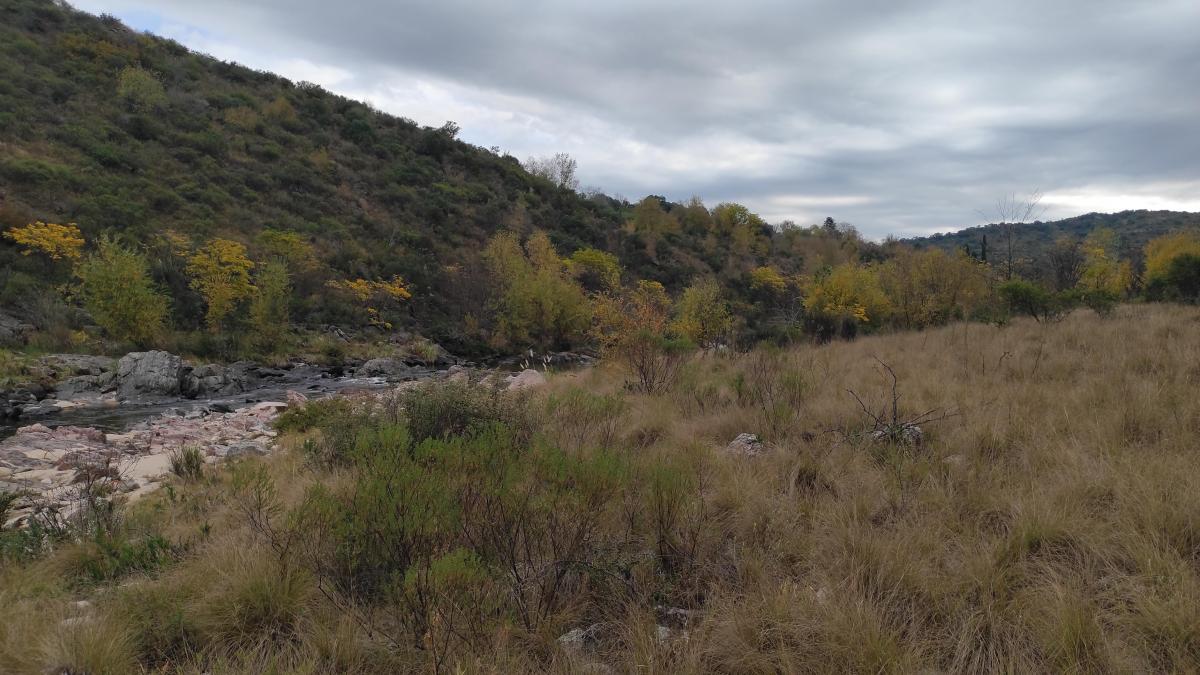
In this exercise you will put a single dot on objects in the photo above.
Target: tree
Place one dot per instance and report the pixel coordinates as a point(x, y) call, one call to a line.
point(269, 306)
point(1161, 254)
point(843, 298)
point(117, 291)
point(539, 303)
point(767, 279)
point(1010, 212)
point(558, 169)
point(931, 287)
point(702, 315)
point(1104, 279)
point(51, 239)
point(596, 270)
point(633, 327)
point(140, 89)
point(371, 294)
point(651, 222)
point(1065, 260)
point(220, 273)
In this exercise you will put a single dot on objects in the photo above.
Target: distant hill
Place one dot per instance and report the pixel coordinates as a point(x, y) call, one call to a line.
point(1133, 228)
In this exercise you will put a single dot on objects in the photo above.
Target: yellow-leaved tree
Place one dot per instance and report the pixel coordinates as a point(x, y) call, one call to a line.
point(931, 287)
point(55, 241)
point(539, 303)
point(220, 273)
point(596, 270)
point(1104, 279)
point(374, 294)
point(702, 314)
point(841, 299)
point(634, 327)
point(1167, 252)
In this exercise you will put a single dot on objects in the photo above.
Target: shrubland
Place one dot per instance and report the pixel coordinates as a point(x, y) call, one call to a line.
point(1042, 520)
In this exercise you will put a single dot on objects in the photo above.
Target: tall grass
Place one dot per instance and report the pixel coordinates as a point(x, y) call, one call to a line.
point(1048, 522)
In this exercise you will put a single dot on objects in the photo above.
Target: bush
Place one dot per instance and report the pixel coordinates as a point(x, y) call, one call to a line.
point(318, 414)
point(442, 410)
point(581, 419)
point(1030, 299)
point(187, 463)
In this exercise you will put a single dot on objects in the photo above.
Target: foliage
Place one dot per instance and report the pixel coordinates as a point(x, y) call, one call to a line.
point(1163, 274)
point(558, 169)
point(51, 239)
point(702, 314)
point(187, 463)
point(597, 270)
point(538, 303)
point(634, 327)
point(843, 298)
point(929, 288)
point(140, 89)
point(767, 278)
point(373, 294)
point(1031, 299)
point(118, 292)
point(220, 272)
point(270, 316)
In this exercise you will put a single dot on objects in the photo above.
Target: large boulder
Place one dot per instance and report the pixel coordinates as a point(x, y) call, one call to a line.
point(526, 379)
point(745, 444)
point(153, 374)
point(212, 379)
point(13, 331)
point(86, 386)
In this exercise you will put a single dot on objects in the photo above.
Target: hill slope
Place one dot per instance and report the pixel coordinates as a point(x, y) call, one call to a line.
point(1031, 240)
point(218, 149)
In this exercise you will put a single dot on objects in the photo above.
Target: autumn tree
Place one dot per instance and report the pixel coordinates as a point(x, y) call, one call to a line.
point(634, 328)
point(116, 289)
point(1104, 279)
point(931, 287)
point(1170, 263)
point(702, 314)
point(596, 270)
point(375, 296)
point(220, 273)
point(57, 242)
point(840, 300)
point(538, 302)
point(270, 316)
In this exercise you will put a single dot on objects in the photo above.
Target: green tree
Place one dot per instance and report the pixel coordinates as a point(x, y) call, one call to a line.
point(539, 303)
point(270, 315)
point(596, 270)
point(117, 291)
point(702, 314)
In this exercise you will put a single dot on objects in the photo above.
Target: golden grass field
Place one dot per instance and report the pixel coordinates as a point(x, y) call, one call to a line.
point(1050, 522)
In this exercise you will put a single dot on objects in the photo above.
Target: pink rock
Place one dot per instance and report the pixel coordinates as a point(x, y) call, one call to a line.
point(295, 398)
point(34, 429)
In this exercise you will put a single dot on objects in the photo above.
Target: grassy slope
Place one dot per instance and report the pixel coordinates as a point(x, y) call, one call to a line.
point(1048, 525)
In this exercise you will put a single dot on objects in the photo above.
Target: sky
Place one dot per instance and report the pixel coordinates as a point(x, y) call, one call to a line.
point(900, 117)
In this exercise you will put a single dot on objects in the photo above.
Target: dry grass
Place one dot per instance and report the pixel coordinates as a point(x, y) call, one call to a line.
point(1051, 523)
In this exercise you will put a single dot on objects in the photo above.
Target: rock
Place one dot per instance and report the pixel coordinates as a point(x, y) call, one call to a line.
point(13, 331)
point(295, 399)
point(526, 379)
point(458, 376)
point(745, 444)
point(384, 367)
point(579, 639)
point(906, 434)
point(150, 374)
point(676, 617)
point(86, 385)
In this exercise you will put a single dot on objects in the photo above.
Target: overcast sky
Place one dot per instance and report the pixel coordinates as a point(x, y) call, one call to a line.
point(899, 116)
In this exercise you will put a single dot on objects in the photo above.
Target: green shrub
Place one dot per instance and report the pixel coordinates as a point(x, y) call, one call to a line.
point(580, 419)
point(440, 410)
point(319, 414)
point(187, 463)
point(108, 557)
point(1030, 299)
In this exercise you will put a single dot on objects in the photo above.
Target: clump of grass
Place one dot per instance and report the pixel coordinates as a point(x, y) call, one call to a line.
point(187, 463)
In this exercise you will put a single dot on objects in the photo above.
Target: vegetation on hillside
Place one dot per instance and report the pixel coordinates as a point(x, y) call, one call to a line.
point(196, 205)
point(1044, 522)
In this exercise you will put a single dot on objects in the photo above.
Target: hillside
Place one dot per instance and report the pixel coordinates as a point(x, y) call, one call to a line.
point(222, 150)
point(1031, 240)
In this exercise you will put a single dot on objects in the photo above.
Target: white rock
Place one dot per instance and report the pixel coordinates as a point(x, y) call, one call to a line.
point(526, 379)
point(745, 444)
